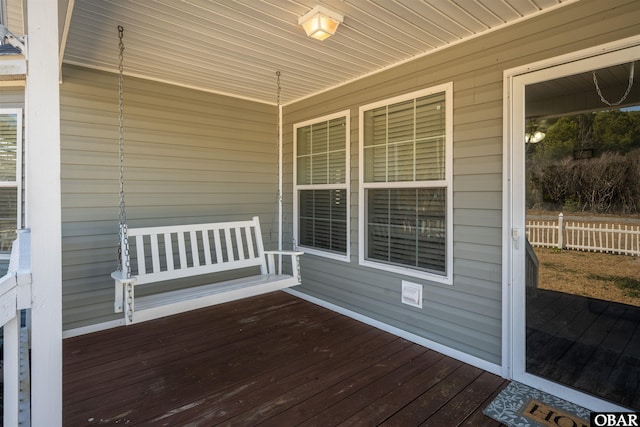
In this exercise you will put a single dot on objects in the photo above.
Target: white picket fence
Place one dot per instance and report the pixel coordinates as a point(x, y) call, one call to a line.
point(605, 237)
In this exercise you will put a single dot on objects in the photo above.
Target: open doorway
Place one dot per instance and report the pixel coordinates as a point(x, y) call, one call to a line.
point(576, 193)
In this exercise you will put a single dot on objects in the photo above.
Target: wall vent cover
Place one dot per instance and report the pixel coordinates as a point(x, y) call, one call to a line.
point(412, 294)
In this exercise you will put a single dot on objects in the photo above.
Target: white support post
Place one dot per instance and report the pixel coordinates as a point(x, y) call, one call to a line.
point(43, 210)
point(561, 231)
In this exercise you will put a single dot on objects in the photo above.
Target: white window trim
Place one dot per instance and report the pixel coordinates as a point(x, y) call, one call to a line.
point(345, 186)
point(447, 278)
point(17, 184)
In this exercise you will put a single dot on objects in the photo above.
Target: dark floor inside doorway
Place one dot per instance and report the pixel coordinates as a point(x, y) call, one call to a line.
point(585, 343)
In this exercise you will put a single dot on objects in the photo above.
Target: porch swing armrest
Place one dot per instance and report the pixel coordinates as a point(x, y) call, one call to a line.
point(121, 280)
point(295, 263)
point(284, 252)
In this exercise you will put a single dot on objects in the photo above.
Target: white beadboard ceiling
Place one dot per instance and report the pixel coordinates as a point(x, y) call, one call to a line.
point(235, 47)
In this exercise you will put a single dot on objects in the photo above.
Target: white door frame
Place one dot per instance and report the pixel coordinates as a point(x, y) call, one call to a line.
point(515, 81)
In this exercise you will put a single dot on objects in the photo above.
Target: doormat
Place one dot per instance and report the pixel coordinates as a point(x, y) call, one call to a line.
point(519, 405)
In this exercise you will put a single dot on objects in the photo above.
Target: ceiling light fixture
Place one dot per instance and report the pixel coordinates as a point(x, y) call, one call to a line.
point(533, 138)
point(320, 22)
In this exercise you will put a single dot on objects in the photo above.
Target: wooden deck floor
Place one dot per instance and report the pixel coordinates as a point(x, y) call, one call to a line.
point(271, 360)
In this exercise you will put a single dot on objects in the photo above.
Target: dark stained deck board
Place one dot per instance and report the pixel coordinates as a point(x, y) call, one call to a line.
point(198, 353)
point(426, 405)
point(265, 405)
point(289, 385)
point(269, 360)
point(370, 393)
point(398, 398)
point(224, 365)
point(188, 327)
point(194, 340)
point(463, 405)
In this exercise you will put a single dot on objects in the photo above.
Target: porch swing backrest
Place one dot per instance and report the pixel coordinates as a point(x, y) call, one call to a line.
point(159, 254)
point(199, 250)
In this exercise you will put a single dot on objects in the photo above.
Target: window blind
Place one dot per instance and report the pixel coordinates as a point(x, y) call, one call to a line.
point(8, 217)
point(323, 219)
point(321, 152)
point(407, 226)
point(405, 141)
point(8, 146)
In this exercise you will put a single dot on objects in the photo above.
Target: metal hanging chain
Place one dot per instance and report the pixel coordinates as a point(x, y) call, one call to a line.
point(613, 104)
point(279, 198)
point(278, 125)
point(123, 215)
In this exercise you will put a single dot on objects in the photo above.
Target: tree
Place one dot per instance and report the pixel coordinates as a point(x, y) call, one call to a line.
point(606, 180)
point(560, 140)
point(617, 131)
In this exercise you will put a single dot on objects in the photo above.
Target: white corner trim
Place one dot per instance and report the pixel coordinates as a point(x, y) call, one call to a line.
point(432, 345)
point(97, 327)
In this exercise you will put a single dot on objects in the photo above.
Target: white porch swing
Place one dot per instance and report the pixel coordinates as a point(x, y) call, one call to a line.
point(182, 251)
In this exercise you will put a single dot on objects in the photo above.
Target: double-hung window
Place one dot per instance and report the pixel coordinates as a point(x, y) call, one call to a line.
point(406, 184)
point(10, 179)
point(321, 194)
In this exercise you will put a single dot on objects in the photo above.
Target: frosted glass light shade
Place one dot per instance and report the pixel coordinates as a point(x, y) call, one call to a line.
point(320, 22)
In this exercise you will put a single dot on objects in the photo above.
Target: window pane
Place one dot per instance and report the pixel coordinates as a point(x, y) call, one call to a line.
point(378, 224)
point(432, 208)
point(401, 162)
point(375, 126)
point(304, 170)
point(337, 134)
point(430, 116)
point(321, 153)
point(337, 172)
point(4, 266)
point(401, 122)
point(430, 157)
point(303, 141)
point(8, 146)
point(337, 151)
point(8, 217)
point(323, 220)
point(375, 164)
point(319, 168)
point(406, 226)
point(430, 136)
point(413, 134)
point(306, 206)
point(319, 137)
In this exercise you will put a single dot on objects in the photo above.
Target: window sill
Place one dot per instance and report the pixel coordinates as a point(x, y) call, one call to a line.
point(325, 254)
point(407, 271)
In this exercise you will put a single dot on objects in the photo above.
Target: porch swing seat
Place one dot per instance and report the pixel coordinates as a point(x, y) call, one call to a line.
point(154, 255)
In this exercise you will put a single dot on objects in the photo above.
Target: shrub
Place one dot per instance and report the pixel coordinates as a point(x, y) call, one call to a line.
point(606, 184)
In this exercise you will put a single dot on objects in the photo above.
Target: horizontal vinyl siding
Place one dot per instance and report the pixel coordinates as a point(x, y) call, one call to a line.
point(467, 315)
point(11, 97)
point(190, 157)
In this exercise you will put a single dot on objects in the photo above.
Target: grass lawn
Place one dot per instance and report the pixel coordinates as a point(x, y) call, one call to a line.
point(596, 275)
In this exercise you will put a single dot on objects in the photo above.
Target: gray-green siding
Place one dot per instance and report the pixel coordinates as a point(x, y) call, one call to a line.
point(190, 157)
point(466, 316)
